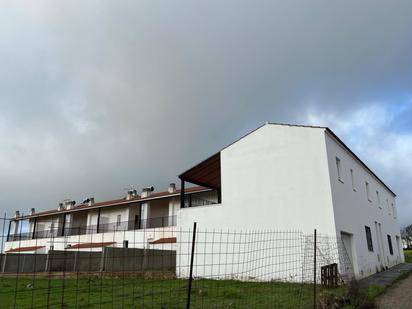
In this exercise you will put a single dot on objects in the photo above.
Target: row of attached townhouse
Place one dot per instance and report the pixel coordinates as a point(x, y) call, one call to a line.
point(277, 177)
point(90, 226)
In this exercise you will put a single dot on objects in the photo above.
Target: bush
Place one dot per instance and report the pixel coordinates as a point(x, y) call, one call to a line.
point(329, 299)
point(362, 298)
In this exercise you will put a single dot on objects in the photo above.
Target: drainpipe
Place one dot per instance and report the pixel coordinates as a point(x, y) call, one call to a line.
point(182, 194)
point(33, 236)
point(63, 225)
point(98, 221)
point(8, 233)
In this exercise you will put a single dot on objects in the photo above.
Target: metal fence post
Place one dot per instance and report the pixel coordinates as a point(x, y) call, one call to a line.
point(189, 291)
point(314, 269)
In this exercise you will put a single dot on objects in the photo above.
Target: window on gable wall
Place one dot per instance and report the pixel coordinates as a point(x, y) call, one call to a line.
point(390, 244)
point(368, 193)
point(339, 169)
point(369, 238)
point(119, 220)
point(387, 204)
point(378, 199)
point(394, 210)
point(352, 177)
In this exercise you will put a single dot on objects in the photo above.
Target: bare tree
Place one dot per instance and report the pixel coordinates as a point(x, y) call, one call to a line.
point(406, 234)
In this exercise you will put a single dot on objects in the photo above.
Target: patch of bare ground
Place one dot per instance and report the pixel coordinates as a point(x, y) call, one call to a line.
point(398, 296)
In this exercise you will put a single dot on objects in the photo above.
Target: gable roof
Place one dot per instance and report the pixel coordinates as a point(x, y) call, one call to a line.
point(117, 202)
point(190, 172)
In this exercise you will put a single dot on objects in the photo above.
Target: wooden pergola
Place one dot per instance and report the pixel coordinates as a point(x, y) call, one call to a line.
point(206, 174)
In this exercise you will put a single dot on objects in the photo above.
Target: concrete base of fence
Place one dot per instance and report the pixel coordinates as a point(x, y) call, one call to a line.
point(26, 262)
point(109, 260)
point(122, 259)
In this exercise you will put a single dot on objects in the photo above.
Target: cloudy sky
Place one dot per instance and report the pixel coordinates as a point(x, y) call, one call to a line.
point(98, 96)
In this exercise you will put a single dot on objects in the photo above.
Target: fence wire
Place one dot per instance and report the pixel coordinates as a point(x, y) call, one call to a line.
point(155, 268)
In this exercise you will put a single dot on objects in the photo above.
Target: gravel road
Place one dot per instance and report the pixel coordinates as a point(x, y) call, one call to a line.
point(398, 296)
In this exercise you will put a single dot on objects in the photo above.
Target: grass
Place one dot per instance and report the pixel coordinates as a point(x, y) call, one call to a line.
point(408, 256)
point(144, 293)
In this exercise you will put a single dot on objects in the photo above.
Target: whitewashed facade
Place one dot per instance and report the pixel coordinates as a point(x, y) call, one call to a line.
point(278, 177)
point(286, 177)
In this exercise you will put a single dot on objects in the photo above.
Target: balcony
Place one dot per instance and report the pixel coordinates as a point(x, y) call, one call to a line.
point(150, 223)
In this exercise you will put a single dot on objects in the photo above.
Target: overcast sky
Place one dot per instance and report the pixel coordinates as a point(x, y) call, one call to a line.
point(98, 96)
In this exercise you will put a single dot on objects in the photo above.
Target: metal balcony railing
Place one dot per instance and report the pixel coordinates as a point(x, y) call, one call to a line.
point(192, 201)
point(101, 228)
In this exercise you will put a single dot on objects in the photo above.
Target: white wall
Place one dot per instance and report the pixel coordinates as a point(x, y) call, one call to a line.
point(136, 238)
point(353, 211)
point(109, 215)
point(275, 178)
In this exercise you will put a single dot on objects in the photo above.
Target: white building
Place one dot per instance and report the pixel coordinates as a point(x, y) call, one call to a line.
point(91, 226)
point(278, 177)
point(289, 177)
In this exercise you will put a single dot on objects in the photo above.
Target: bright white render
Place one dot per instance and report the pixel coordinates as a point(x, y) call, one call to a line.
point(278, 177)
point(288, 177)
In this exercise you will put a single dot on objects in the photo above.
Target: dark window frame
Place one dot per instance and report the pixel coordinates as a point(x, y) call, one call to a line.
point(369, 241)
point(390, 244)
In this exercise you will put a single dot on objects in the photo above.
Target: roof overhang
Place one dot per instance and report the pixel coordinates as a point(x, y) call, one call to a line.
point(339, 141)
point(206, 173)
point(111, 204)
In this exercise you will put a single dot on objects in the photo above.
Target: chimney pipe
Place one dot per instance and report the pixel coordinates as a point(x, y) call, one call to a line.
point(172, 188)
point(132, 193)
point(91, 201)
point(147, 191)
point(60, 207)
point(32, 211)
point(17, 214)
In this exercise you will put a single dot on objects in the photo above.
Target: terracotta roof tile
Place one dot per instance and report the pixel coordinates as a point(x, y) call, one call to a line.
point(168, 240)
point(91, 245)
point(22, 249)
point(117, 201)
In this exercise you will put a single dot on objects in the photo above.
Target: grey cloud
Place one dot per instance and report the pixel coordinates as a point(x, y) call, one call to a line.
point(98, 96)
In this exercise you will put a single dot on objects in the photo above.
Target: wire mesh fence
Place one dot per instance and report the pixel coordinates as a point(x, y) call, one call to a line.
point(167, 267)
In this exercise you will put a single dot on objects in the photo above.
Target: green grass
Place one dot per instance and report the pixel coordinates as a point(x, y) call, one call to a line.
point(408, 256)
point(144, 293)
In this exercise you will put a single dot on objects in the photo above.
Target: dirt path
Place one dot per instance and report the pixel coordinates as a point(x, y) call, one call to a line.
point(398, 296)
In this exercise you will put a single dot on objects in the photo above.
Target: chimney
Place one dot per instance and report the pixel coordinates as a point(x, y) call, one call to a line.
point(17, 214)
point(131, 193)
point(32, 211)
point(60, 207)
point(91, 201)
point(146, 192)
point(69, 204)
point(172, 188)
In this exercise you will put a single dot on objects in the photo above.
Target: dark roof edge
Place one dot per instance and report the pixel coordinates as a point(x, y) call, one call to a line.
point(301, 126)
point(119, 203)
point(211, 156)
point(328, 130)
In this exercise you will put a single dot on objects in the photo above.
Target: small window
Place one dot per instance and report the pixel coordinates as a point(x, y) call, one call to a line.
point(390, 245)
point(378, 199)
point(119, 220)
point(389, 208)
point(369, 238)
point(394, 210)
point(339, 169)
point(368, 193)
point(352, 178)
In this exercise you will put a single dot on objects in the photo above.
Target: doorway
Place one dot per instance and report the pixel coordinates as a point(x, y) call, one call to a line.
point(347, 256)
